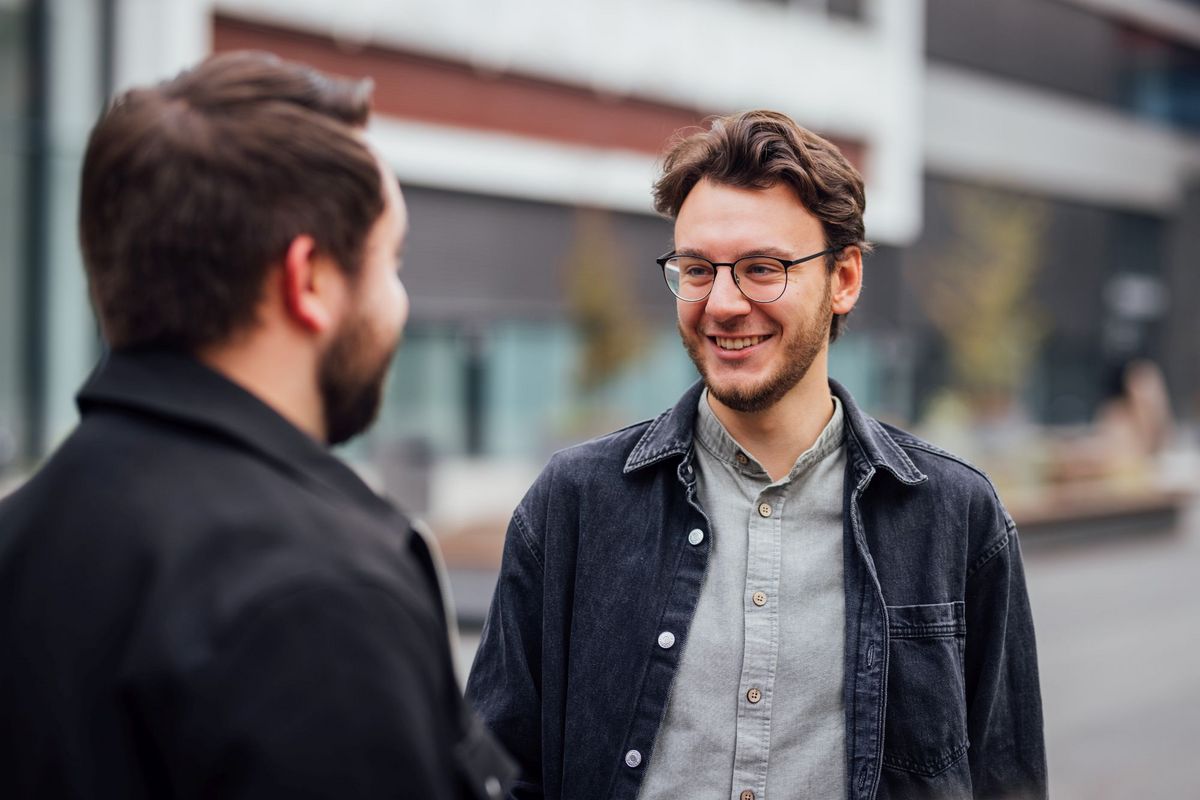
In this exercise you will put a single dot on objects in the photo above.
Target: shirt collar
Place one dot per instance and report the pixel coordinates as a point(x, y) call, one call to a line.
point(714, 437)
point(181, 390)
point(869, 446)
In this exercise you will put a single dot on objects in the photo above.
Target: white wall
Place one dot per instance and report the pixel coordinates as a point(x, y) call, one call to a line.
point(860, 81)
point(1004, 133)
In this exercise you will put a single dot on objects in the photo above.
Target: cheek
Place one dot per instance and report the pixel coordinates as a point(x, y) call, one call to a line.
point(689, 314)
point(401, 304)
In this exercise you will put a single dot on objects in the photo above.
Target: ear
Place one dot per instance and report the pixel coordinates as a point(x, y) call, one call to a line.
point(313, 287)
point(846, 282)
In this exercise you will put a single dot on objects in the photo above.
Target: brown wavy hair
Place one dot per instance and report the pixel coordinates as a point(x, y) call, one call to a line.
point(758, 150)
point(193, 189)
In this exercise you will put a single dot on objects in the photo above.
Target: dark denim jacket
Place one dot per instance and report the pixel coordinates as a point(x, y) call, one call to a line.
point(941, 682)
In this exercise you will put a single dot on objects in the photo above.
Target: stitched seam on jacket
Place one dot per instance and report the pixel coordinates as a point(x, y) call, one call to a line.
point(930, 769)
point(997, 547)
point(526, 539)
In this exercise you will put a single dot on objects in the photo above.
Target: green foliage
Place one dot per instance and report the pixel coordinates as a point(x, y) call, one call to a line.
point(978, 291)
point(601, 302)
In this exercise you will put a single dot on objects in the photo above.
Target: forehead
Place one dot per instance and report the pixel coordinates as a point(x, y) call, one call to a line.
point(718, 219)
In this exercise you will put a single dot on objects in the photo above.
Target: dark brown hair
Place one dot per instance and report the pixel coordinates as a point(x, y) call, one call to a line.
point(194, 188)
point(758, 150)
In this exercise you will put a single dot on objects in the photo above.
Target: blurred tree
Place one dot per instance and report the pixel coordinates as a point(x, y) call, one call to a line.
point(977, 291)
point(601, 302)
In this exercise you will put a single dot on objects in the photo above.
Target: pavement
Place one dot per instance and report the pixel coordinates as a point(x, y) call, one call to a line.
point(1118, 629)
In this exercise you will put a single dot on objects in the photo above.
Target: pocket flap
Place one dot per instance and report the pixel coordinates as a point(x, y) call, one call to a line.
point(931, 620)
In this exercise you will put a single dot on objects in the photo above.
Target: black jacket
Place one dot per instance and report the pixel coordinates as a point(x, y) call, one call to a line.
point(609, 549)
point(198, 600)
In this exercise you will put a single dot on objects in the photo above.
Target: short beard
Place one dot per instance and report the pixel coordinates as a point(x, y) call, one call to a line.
point(799, 353)
point(351, 393)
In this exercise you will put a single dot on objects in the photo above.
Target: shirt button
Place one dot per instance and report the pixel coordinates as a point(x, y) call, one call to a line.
point(741, 459)
point(747, 795)
point(492, 787)
point(765, 509)
point(633, 758)
point(759, 598)
point(666, 640)
point(754, 695)
point(696, 536)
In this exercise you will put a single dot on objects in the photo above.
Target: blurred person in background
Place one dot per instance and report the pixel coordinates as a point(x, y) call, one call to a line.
point(762, 593)
point(196, 598)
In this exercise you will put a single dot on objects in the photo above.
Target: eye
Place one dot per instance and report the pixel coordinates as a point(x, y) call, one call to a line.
point(761, 270)
point(693, 269)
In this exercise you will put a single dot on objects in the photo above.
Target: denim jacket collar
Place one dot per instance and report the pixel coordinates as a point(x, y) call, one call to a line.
point(870, 446)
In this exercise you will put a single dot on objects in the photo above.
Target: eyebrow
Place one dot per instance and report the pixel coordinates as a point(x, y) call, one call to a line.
point(774, 252)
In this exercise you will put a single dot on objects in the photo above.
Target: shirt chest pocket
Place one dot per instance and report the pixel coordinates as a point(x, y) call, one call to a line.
point(925, 730)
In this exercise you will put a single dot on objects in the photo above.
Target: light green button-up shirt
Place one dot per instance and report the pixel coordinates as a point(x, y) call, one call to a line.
point(757, 704)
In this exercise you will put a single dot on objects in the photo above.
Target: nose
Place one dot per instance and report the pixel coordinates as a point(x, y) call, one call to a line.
point(726, 300)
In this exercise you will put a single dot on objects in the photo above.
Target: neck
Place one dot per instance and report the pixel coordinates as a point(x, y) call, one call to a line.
point(279, 375)
point(778, 435)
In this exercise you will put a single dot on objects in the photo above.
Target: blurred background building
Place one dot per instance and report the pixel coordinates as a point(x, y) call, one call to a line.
point(1033, 174)
point(1033, 171)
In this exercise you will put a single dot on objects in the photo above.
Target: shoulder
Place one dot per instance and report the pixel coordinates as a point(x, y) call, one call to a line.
point(955, 484)
point(611, 450)
point(585, 475)
point(942, 467)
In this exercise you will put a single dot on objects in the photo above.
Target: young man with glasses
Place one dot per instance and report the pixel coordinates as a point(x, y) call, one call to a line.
point(763, 593)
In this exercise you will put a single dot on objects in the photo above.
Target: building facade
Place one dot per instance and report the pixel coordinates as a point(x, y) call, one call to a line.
point(1031, 166)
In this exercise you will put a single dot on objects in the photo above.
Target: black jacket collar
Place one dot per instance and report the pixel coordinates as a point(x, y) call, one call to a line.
point(179, 389)
point(869, 443)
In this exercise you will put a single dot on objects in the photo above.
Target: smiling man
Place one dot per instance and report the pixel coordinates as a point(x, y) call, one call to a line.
point(763, 593)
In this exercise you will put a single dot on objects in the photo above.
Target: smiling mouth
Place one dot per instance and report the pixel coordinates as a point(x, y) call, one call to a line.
point(738, 343)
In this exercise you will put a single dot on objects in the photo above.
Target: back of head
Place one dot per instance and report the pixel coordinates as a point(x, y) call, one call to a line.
point(758, 150)
point(194, 188)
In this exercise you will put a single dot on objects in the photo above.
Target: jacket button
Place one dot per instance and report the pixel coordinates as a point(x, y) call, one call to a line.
point(754, 695)
point(747, 795)
point(633, 758)
point(666, 640)
point(765, 510)
point(759, 598)
point(696, 536)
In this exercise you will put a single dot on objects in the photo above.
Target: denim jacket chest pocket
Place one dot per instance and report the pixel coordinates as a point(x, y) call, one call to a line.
point(925, 730)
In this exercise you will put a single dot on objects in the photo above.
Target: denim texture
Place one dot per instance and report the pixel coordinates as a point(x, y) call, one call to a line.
point(941, 682)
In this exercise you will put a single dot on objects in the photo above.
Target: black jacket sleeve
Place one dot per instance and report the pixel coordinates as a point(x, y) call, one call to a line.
point(505, 682)
point(1004, 708)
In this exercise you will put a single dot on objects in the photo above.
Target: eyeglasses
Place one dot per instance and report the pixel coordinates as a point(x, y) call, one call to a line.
point(761, 279)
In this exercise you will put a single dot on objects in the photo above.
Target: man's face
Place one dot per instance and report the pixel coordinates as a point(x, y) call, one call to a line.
point(752, 354)
point(354, 368)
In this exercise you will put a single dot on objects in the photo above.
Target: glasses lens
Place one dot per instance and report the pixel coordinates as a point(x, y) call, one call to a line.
point(689, 278)
point(762, 279)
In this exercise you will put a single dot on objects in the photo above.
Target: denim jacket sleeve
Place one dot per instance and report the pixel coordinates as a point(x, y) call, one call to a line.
point(505, 681)
point(1004, 708)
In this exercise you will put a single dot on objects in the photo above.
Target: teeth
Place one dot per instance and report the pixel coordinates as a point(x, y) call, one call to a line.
point(739, 343)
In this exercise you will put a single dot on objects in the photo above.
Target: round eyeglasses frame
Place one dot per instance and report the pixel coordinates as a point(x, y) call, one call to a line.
point(785, 264)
